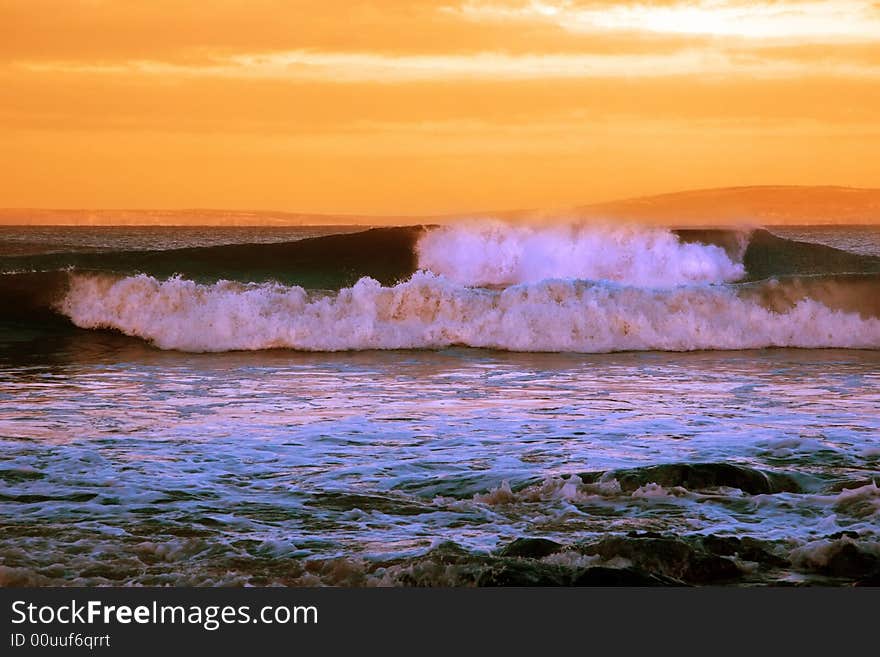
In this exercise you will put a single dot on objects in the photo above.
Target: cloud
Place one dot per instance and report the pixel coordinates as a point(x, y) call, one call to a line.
point(187, 31)
point(342, 67)
point(805, 20)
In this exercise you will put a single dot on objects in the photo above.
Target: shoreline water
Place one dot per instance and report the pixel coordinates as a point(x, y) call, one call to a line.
point(125, 464)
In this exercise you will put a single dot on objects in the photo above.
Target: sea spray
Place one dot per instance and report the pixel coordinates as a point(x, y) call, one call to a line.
point(430, 312)
point(496, 253)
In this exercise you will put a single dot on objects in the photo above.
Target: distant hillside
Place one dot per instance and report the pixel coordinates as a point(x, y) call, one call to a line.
point(725, 206)
point(746, 205)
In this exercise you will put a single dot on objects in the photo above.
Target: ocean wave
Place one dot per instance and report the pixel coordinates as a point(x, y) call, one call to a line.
point(429, 311)
point(328, 262)
point(483, 253)
point(496, 253)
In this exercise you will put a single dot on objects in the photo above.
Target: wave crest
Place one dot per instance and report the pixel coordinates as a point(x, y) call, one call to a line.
point(428, 311)
point(496, 253)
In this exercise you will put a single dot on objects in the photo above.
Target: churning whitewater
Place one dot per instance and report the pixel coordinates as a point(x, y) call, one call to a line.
point(495, 253)
point(429, 312)
point(492, 285)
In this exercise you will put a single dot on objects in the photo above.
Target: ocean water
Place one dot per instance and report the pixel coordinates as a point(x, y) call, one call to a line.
point(478, 404)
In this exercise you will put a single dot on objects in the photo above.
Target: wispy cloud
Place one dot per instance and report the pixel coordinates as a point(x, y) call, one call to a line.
point(370, 67)
point(816, 21)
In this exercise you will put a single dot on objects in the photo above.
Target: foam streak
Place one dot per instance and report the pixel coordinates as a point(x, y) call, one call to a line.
point(429, 311)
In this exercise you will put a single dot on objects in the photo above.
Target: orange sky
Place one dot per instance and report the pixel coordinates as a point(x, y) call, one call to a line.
point(423, 107)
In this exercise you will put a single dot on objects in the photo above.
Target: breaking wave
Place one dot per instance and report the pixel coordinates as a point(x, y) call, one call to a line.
point(574, 288)
point(430, 312)
point(495, 253)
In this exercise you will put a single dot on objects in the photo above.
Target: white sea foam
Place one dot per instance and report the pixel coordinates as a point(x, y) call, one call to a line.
point(429, 311)
point(860, 502)
point(656, 491)
point(496, 253)
point(820, 554)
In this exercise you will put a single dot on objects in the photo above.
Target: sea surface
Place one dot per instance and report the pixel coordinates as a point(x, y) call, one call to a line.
point(475, 404)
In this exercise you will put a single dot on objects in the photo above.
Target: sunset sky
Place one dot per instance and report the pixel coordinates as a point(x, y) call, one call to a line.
point(411, 106)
